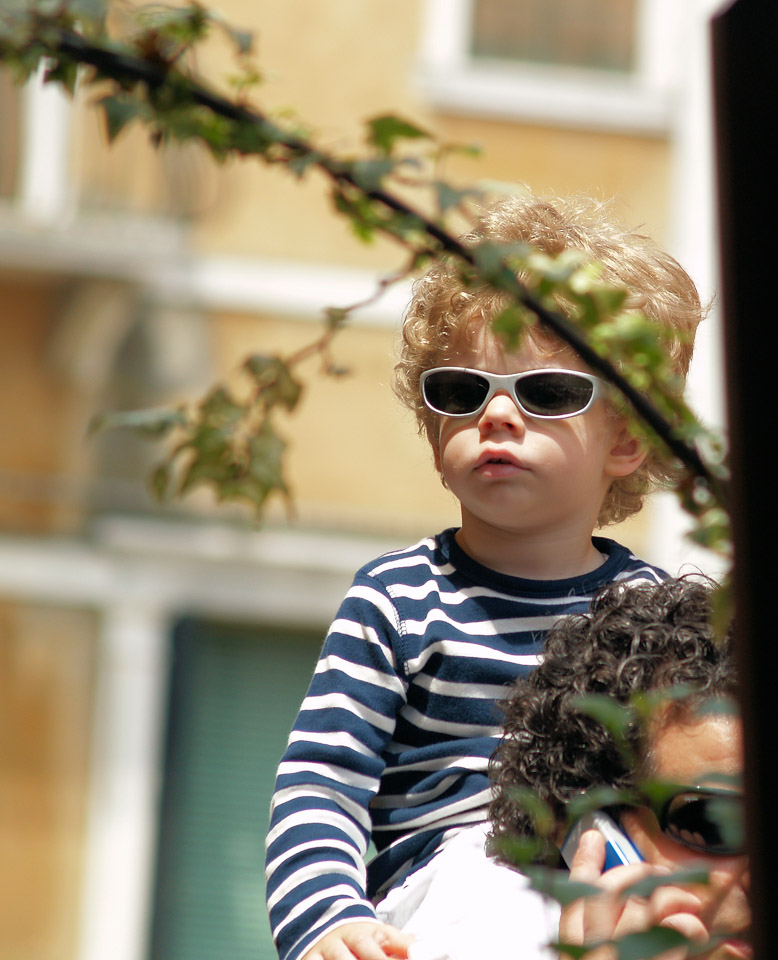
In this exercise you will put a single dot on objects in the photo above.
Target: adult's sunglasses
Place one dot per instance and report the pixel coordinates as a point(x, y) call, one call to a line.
point(709, 820)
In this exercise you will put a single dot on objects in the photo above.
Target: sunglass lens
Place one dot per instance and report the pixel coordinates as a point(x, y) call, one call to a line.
point(554, 394)
point(455, 391)
point(713, 824)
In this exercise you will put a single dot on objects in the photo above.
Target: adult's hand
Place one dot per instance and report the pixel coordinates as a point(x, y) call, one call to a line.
point(613, 914)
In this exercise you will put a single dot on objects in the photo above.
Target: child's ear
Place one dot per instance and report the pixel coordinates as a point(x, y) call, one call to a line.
point(438, 464)
point(626, 454)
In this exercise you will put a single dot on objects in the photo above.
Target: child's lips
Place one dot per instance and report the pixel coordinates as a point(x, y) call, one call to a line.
point(497, 463)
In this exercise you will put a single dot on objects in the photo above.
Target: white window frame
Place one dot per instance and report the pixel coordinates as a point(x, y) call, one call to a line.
point(451, 80)
point(44, 189)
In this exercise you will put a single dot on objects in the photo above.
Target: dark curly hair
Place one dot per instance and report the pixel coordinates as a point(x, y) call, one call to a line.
point(635, 639)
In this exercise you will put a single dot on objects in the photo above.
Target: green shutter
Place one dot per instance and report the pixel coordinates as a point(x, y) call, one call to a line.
point(235, 692)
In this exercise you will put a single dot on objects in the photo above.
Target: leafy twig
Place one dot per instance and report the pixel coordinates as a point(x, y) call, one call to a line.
point(151, 84)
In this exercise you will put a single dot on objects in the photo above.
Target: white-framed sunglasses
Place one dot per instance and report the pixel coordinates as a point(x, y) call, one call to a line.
point(549, 394)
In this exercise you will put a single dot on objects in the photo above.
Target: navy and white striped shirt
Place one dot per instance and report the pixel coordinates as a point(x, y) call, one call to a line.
point(394, 737)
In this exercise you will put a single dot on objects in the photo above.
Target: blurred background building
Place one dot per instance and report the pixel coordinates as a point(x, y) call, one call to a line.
point(152, 657)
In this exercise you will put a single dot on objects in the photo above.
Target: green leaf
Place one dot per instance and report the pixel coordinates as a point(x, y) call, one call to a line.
point(558, 885)
point(574, 950)
point(540, 812)
point(183, 25)
point(243, 40)
point(63, 72)
point(720, 707)
point(246, 488)
point(360, 213)
point(118, 111)
point(609, 299)
point(405, 226)
point(448, 196)
point(219, 408)
point(85, 11)
point(386, 130)
point(519, 851)
point(22, 58)
point(153, 422)
point(646, 944)
point(204, 469)
point(509, 324)
point(261, 366)
point(247, 138)
point(464, 149)
point(596, 799)
point(159, 481)
point(336, 317)
point(496, 262)
point(647, 885)
point(209, 442)
point(370, 174)
point(558, 269)
point(266, 458)
point(489, 257)
point(275, 380)
point(614, 716)
point(300, 162)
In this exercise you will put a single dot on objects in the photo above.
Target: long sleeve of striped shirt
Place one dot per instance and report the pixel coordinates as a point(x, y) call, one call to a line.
point(393, 740)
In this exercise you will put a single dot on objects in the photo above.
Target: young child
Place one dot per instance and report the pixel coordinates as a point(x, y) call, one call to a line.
point(393, 740)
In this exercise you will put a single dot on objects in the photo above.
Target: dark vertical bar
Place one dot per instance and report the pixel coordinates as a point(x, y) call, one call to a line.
point(745, 55)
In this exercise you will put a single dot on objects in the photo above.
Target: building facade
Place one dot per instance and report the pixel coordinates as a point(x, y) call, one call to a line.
point(153, 656)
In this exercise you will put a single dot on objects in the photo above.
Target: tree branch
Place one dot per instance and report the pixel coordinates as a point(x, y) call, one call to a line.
point(165, 79)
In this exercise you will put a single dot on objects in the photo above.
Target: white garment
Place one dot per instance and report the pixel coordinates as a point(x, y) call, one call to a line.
point(463, 905)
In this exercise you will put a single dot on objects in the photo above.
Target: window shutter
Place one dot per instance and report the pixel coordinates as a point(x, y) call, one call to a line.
point(235, 692)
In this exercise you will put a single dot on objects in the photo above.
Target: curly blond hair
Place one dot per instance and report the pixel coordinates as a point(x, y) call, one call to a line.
point(444, 309)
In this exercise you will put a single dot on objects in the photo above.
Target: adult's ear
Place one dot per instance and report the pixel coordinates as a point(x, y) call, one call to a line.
point(626, 454)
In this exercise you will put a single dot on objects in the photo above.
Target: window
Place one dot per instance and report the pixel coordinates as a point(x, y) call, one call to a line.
point(593, 34)
point(235, 691)
point(607, 64)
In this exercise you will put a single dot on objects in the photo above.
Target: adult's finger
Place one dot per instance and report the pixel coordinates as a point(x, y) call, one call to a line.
point(589, 858)
point(612, 912)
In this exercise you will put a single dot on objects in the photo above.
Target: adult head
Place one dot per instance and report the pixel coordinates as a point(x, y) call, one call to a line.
point(636, 640)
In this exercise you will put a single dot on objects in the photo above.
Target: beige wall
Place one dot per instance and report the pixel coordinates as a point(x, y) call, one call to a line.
point(633, 170)
point(344, 80)
point(41, 428)
point(335, 65)
point(355, 461)
point(46, 678)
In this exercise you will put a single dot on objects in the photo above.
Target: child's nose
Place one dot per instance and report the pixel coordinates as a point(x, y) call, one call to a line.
point(502, 412)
